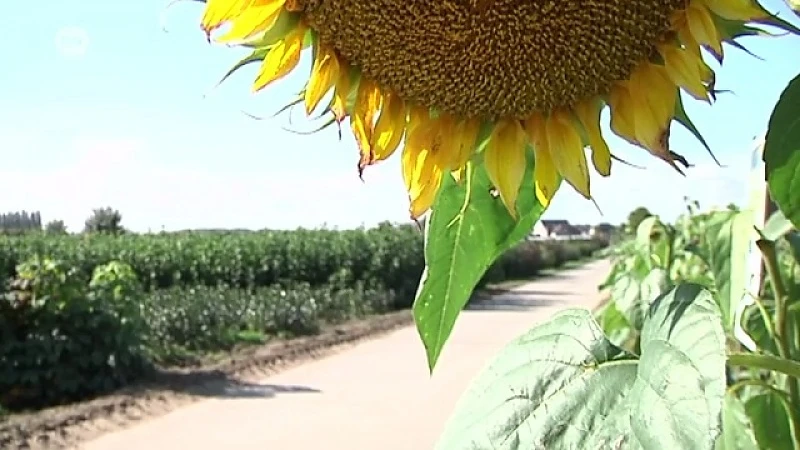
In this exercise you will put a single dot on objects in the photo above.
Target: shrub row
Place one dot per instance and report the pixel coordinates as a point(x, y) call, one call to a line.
point(388, 255)
point(63, 340)
point(531, 257)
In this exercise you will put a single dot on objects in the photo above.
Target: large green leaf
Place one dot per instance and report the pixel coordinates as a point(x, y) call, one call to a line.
point(563, 385)
point(782, 152)
point(728, 236)
point(468, 230)
point(776, 226)
point(770, 420)
point(737, 429)
point(615, 325)
point(634, 293)
point(653, 238)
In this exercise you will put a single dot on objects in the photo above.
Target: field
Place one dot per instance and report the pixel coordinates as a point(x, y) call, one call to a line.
point(87, 314)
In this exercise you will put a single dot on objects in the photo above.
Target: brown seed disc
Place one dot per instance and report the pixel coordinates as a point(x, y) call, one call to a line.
point(494, 58)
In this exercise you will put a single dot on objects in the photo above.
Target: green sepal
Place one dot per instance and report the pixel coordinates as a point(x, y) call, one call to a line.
point(682, 118)
point(257, 55)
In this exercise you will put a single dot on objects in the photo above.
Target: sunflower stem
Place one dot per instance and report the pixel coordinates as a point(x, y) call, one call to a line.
point(770, 257)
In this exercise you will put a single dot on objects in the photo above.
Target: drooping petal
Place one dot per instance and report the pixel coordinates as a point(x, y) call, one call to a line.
point(589, 116)
point(251, 21)
point(701, 26)
point(566, 150)
point(623, 112)
point(465, 137)
point(341, 92)
point(418, 156)
point(389, 128)
point(745, 10)
point(545, 175)
point(647, 102)
point(505, 160)
point(653, 97)
point(362, 122)
point(446, 142)
point(687, 70)
point(323, 76)
point(281, 59)
point(422, 172)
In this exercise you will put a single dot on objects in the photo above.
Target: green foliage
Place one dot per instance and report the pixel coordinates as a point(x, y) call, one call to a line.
point(204, 319)
point(389, 255)
point(63, 340)
point(782, 152)
point(656, 352)
point(104, 220)
point(558, 395)
point(55, 227)
point(87, 314)
point(21, 222)
point(529, 258)
point(636, 217)
point(473, 240)
point(469, 229)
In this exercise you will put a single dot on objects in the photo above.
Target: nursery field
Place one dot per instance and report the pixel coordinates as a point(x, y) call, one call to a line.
point(85, 314)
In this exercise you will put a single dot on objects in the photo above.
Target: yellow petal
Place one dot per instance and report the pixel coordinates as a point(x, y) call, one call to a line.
point(623, 113)
point(281, 59)
point(218, 12)
point(745, 10)
point(702, 27)
point(465, 136)
point(422, 173)
point(566, 150)
point(341, 92)
point(252, 21)
point(687, 70)
point(362, 122)
point(445, 145)
point(418, 156)
point(424, 200)
point(323, 76)
point(588, 113)
point(545, 175)
point(389, 128)
point(505, 161)
point(654, 96)
point(645, 103)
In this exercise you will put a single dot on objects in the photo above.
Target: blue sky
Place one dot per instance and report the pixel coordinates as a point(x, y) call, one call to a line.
point(100, 107)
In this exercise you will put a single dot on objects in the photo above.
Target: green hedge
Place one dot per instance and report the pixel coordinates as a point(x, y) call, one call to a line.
point(529, 258)
point(390, 256)
point(99, 312)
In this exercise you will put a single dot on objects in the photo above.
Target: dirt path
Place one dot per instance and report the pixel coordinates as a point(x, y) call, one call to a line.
point(377, 395)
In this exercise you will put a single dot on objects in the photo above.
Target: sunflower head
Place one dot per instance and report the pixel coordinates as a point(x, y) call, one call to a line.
point(455, 81)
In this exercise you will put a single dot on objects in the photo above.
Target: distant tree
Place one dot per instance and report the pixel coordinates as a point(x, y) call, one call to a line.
point(636, 217)
point(104, 220)
point(20, 222)
point(55, 227)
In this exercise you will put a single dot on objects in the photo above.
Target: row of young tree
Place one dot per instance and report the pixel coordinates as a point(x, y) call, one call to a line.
point(102, 220)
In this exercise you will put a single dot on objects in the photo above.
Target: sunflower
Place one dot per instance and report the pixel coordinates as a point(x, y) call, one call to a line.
point(450, 80)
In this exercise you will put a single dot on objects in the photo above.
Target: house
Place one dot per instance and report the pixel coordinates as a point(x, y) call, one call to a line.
point(539, 231)
point(555, 229)
point(604, 230)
